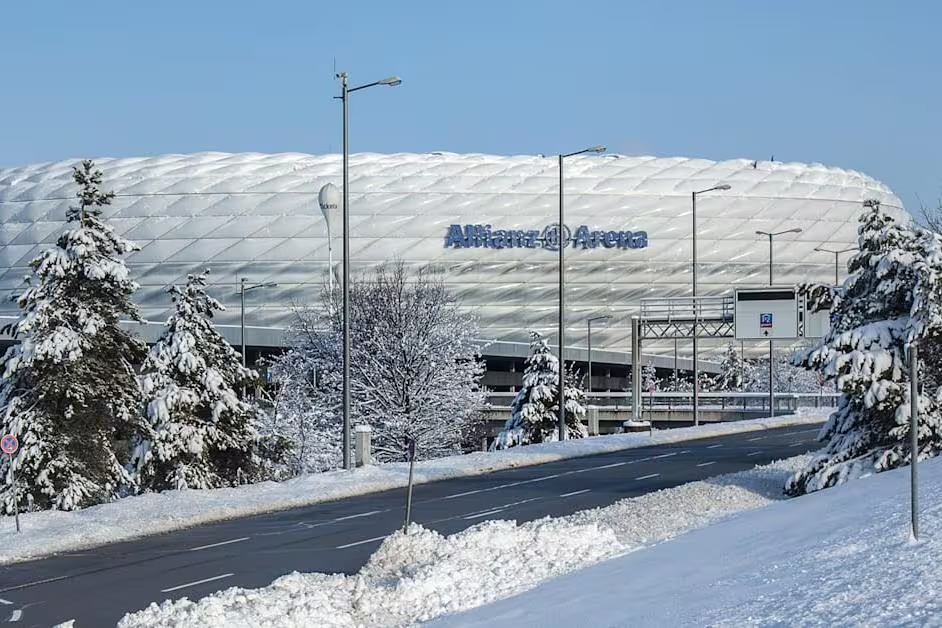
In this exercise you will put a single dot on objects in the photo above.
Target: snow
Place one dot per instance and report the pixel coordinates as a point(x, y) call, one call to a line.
point(48, 532)
point(729, 551)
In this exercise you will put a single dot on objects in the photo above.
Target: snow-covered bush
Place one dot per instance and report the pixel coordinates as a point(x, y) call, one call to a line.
point(69, 390)
point(534, 411)
point(892, 297)
point(415, 370)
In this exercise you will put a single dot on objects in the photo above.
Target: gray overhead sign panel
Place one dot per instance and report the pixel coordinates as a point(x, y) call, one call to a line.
point(767, 314)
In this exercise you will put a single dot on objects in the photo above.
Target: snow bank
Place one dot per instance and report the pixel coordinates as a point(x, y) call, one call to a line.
point(421, 575)
point(840, 557)
point(49, 532)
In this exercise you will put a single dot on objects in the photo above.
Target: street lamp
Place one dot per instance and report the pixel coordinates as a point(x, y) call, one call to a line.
point(588, 325)
point(772, 234)
point(696, 308)
point(345, 91)
point(242, 290)
point(329, 200)
point(836, 261)
point(563, 240)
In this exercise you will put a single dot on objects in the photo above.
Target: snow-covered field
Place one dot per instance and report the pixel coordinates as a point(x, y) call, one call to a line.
point(840, 557)
point(48, 532)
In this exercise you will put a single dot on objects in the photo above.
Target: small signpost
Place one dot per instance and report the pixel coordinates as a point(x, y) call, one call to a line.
point(410, 456)
point(9, 445)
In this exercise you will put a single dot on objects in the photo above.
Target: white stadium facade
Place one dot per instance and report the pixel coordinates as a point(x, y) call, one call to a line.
point(477, 219)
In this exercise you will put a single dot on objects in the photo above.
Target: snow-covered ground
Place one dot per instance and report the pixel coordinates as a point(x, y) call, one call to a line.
point(840, 557)
point(48, 532)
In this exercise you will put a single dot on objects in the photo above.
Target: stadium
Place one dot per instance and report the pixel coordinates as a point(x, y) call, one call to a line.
point(485, 222)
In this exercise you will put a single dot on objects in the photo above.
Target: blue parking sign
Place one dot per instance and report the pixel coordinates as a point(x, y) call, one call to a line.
point(765, 320)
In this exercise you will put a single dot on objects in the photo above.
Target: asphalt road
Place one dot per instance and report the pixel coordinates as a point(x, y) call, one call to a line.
point(97, 587)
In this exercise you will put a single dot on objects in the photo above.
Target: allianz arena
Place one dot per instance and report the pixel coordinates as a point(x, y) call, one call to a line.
point(477, 219)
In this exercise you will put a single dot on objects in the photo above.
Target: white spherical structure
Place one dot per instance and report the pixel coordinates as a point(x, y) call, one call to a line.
point(259, 216)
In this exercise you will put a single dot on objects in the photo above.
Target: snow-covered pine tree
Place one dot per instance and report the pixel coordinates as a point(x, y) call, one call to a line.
point(649, 380)
point(893, 296)
point(199, 434)
point(534, 411)
point(732, 371)
point(69, 389)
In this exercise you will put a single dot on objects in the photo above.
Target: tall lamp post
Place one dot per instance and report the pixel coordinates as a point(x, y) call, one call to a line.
point(329, 200)
point(837, 255)
point(771, 235)
point(696, 305)
point(588, 325)
point(345, 91)
point(242, 290)
point(563, 241)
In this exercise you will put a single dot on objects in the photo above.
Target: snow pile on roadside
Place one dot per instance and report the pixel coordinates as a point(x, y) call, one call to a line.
point(48, 532)
point(422, 575)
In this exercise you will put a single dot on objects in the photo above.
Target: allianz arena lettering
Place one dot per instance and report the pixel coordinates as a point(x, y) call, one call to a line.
point(484, 236)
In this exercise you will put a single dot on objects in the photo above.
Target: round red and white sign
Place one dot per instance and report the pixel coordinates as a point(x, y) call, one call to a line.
point(9, 444)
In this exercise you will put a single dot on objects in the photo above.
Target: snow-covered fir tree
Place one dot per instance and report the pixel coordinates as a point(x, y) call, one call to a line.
point(415, 370)
point(199, 432)
point(893, 296)
point(534, 411)
point(649, 380)
point(69, 390)
point(732, 371)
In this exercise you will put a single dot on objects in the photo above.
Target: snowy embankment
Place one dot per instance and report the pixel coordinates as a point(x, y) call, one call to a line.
point(421, 575)
point(841, 556)
point(45, 533)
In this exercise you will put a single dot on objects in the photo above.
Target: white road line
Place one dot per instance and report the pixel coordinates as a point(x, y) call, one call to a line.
point(608, 466)
point(202, 547)
point(585, 490)
point(798, 444)
point(752, 440)
point(483, 514)
point(714, 446)
point(362, 514)
point(3, 601)
point(706, 464)
point(673, 453)
point(648, 477)
point(375, 538)
point(16, 615)
point(755, 453)
point(193, 584)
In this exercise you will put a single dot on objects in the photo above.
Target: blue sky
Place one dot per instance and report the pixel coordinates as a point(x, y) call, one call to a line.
point(853, 83)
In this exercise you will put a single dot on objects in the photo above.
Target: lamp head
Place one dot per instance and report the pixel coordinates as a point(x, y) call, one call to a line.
point(392, 81)
point(597, 149)
point(724, 186)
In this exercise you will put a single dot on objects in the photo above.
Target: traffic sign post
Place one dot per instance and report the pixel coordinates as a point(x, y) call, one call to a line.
point(410, 454)
point(9, 444)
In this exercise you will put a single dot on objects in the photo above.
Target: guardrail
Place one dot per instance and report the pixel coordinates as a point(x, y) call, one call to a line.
point(688, 308)
point(712, 400)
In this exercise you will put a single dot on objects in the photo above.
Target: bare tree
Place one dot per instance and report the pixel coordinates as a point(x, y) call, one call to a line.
point(415, 369)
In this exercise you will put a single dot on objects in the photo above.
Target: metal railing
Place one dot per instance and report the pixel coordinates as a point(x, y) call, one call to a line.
point(707, 400)
point(688, 308)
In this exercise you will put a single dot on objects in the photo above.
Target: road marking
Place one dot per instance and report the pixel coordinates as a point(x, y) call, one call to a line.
point(706, 464)
point(483, 514)
point(714, 446)
point(35, 583)
point(193, 584)
point(798, 444)
point(752, 440)
point(375, 538)
point(755, 453)
point(202, 547)
point(607, 466)
point(648, 477)
point(673, 453)
point(3, 601)
point(585, 490)
point(15, 615)
point(362, 514)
